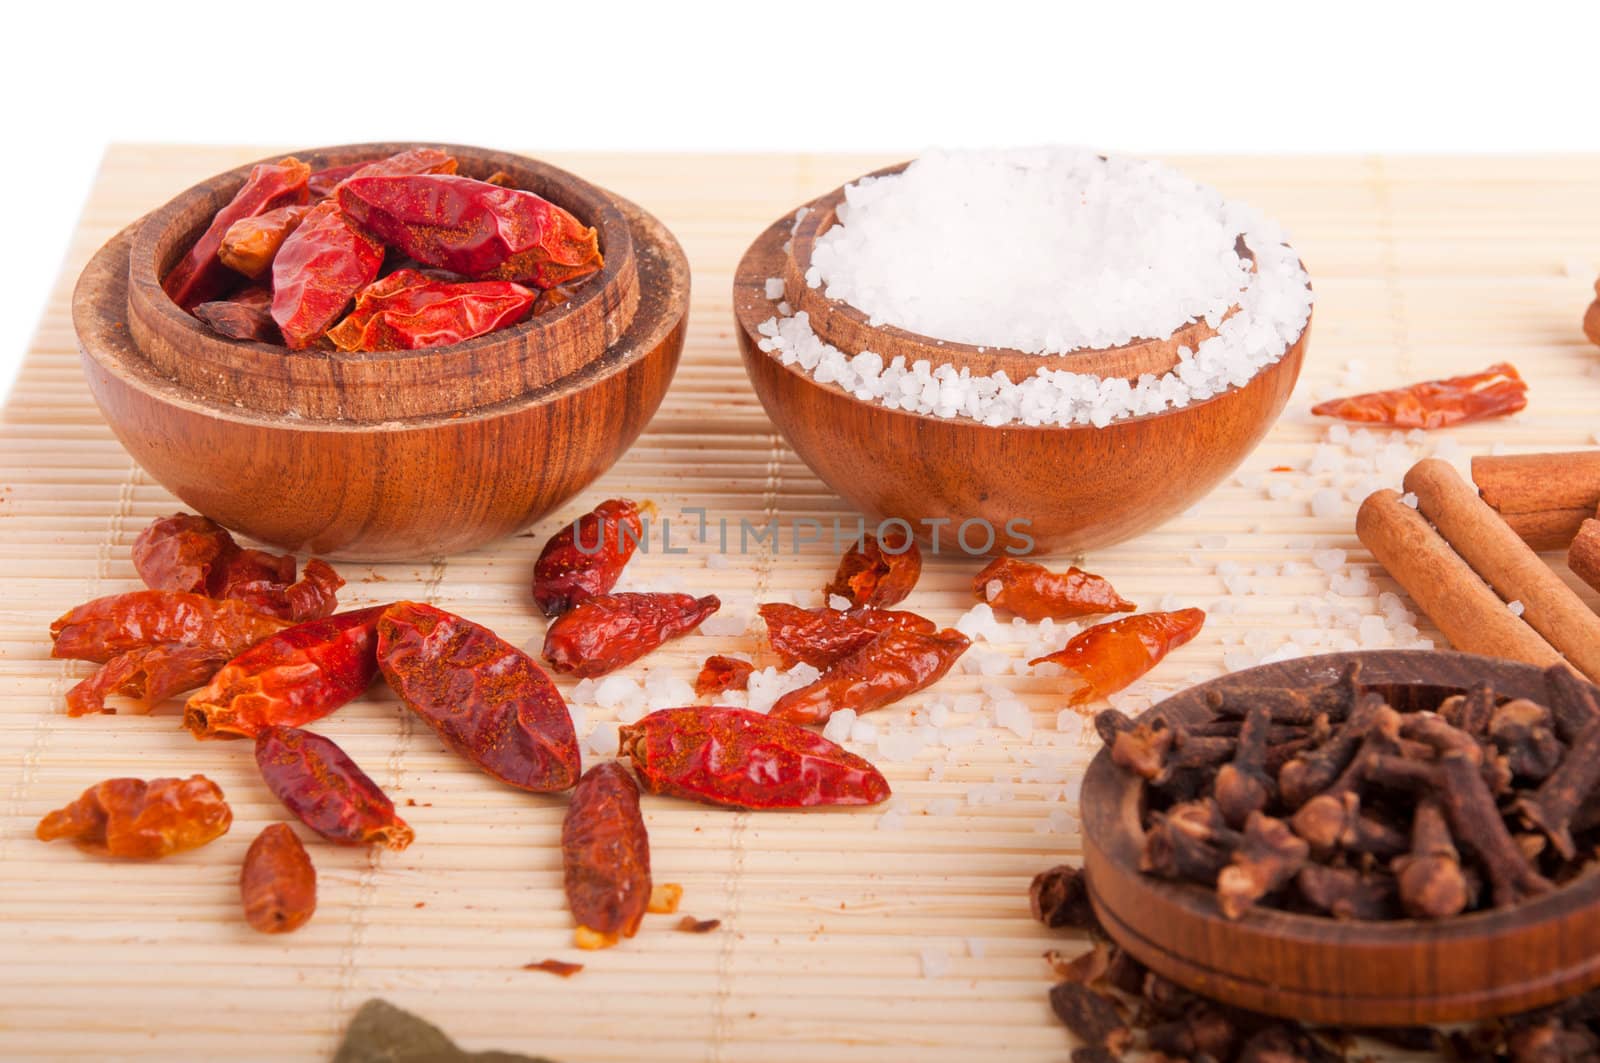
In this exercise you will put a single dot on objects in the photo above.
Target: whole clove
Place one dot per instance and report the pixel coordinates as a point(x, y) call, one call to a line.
point(1267, 857)
point(1432, 885)
point(1524, 733)
point(1552, 806)
point(1243, 786)
point(1091, 1016)
point(1060, 897)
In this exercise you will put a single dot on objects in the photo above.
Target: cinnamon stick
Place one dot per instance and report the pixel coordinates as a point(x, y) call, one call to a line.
point(1543, 497)
point(1506, 563)
point(1459, 603)
point(1584, 555)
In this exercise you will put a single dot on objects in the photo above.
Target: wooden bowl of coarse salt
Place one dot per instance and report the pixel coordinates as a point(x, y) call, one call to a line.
point(384, 455)
point(1041, 344)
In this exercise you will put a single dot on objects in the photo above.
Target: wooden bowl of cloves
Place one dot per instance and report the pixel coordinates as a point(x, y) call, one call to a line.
point(1383, 838)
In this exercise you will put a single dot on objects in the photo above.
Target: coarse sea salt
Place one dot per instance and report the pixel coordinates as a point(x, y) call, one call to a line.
point(1098, 251)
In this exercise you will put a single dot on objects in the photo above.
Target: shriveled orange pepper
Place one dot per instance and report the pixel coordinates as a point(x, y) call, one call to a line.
point(1108, 657)
point(138, 820)
point(200, 275)
point(1495, 392)
point(278, 883)
point(1033, 592)
point(877, 572)
point(893, 665)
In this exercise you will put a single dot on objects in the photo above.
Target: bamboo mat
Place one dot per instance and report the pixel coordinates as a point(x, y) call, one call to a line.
point(845, 935)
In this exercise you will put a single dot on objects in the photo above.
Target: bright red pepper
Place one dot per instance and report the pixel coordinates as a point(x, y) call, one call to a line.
point(1108, 657)
point(877, 572)
point(408, 310)
point(1033, 592)
point(726, 756)
point(137, 820)
point(890, 667)
point(418, 160)
point(292, 678)
point(823, 635)
point(318, 270)
point(185, 552)
point(605, 855)
point(474, 228)
point(486, 699)
point(119, 623)
point(323, 787)
point(1494, 392)
point(278, 883)
point(605, 632)
point(721, 673)
point(586, 557)
point(200, 275)
point(149, 676)
point(250, 244)
point(245, 315)
point(322, 183)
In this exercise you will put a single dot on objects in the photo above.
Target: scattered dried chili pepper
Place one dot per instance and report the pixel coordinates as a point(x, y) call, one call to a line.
point(245, 315)
point(322, 182)
point(408, 311)
point(607, 631)
point(473, 228)
point(486, 699)
point(1033, 592)
point(318, 270)
point(690, 925)
point(296, 676)
point(821, 636)
point(250, 244)
point(278, 883)
point(560, 968)
point(149, 676)
point(325, 182)
point(721, 673)
point(200, 275)
point(664, 898)
point(877, 571)
point(586, 557)
point(735, 757)
point(138, 620)
point(185, 552)
point(606, 855)
point(138, 820)
point(323, 787)
point(1495, 392)
point(890, 667)
point(1108, 657)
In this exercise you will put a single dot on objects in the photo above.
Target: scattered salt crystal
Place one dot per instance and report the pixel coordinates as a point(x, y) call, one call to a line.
point(580, 718)
point(1014, 717)
point(892, 819)
point(726, 623)
point(1214, 542)
point(603, 740)
point(774, 288)
point(583, 691)
point(1373, 633)
point(1239, 660)
point(766, 685)
point(1409, 499)
point(1515, 607)
point(1287, 652)
point(864, 731)
point(1329, 561)
point(615, 690)
point(900, 745)
point(935, 962)
point(1069, 721)
point(838, 602)
point(992, 589)
point(839, 725)
point(1326, 503)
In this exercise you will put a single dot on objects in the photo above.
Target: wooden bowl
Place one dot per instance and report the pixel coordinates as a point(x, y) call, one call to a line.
point(1078, 487)
point(1319, 969)
point(405, 454)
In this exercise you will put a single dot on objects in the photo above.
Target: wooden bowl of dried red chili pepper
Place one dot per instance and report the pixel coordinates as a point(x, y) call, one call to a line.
point(1068, 488)
point(1460, 924)
point(387, 454)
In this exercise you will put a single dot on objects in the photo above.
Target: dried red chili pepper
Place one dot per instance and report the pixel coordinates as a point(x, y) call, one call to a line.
point(721, 673)
point(1108, 657)
point(821, 636)
point(605, 854)
point(199, 275)
point(473, 227)
point(586, 557)
point(149, 676)
point(891, 666)
point(138, 820)
point(418, 160)
point(408, 311)
point(296, 676)
point(278, 883)
point(318, 270)
point(246, 315)
point(111, 626)
point(1494, 392)
point(605, 632)
point(323, 787)
point(878, 573)
point(1033, 592)
point(726, 756)
point(250, 244)
point(486, 699)
point(185, 552)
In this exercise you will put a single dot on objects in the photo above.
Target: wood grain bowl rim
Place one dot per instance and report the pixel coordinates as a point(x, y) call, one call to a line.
point(592, 205)
point(764, 258)
point(664, 306)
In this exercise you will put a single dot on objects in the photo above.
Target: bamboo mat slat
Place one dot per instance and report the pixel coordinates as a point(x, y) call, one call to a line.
point(835, 927)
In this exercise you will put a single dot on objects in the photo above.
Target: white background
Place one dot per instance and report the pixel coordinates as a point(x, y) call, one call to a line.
point(678, 76)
